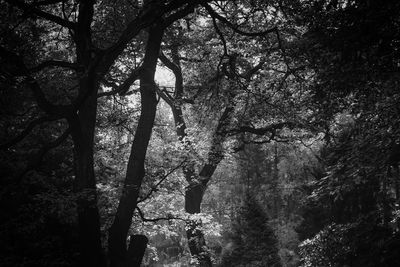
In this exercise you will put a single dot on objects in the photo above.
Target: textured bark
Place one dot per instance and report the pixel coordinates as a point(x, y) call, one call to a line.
point(135, 171)
point(82, 130)
point(82, 126)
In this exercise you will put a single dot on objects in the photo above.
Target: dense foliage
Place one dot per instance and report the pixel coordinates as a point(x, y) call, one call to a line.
point(246, 133)
point(353, 205)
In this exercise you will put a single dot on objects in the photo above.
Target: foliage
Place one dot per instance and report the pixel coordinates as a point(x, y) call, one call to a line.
point(357, 244)
point(311, 93)
point(253, 240)
point(351, 204)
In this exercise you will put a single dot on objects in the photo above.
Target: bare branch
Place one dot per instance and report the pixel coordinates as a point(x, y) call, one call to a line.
point(168, 218)
point(124, 87)
point(165, 96)
point(154, 188)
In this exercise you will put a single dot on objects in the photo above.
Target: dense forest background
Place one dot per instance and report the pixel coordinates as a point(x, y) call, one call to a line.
point(200, 133)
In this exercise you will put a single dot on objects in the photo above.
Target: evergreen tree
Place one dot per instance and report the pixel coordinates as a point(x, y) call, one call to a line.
point(253, 242)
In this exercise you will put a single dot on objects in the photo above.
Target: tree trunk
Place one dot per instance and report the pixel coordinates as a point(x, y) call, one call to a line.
point(83, 125)
point(195, 191)
point(136, 249)
point(117, 242)
point(197, 183)
point(82, 131)
point(193, 198)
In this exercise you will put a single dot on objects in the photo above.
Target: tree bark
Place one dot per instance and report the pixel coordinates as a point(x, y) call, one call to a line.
point(136, 249)
point(82, 131)
point(83, 123)
point(117, 242)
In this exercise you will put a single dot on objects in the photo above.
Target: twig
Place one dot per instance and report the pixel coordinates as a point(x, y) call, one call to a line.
point(165, 176)
point(168, 218)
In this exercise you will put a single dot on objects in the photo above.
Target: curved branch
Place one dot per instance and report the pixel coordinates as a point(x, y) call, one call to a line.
point(124, 87)
point(175, 67)
point(165, 176)
point(221, 36)
point(169, 64)
point(16, 61)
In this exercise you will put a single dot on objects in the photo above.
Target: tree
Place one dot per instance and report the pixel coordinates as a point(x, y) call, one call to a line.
point(253, 240)
point(89, 68)
point(226, 87)
point(354, 46)
point(57, 51)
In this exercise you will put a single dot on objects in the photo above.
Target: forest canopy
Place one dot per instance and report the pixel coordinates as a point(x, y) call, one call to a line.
point(199, 133)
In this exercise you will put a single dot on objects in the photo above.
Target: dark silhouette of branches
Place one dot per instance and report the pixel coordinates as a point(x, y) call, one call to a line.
point(168, 218)
point(31, 9)
point(234, 27)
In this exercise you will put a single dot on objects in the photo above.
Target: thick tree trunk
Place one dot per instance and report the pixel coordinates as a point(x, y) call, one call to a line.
point(196, 241)
point(193, 198)
point(82, 130)
point(117, 241)
point(195, 191)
